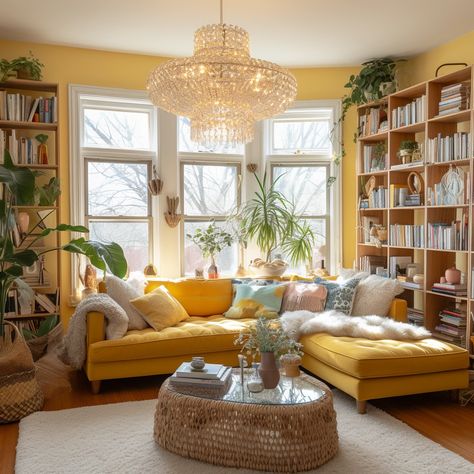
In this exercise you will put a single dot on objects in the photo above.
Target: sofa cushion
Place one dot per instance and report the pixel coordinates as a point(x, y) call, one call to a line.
point(304, 296)
point(340, 295)
point(374, 295)
point(194, 336)
point(160, 309)
point(364, 358)
point(198, 297)
point(251, 301)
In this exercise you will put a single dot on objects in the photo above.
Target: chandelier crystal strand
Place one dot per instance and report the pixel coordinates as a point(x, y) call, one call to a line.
point(221, 88)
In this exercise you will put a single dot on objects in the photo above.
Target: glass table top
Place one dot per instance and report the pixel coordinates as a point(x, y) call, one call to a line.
point(290, 391)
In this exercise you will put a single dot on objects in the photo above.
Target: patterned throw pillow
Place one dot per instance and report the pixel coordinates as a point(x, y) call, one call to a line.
point(340, 295)
point(304, 296)
point(255, 301)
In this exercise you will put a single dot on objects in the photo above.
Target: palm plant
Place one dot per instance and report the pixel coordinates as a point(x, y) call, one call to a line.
point(19, 184)
point(270, 220)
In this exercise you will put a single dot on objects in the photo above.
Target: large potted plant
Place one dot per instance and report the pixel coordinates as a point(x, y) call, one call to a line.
point(211, 241)
point(23, 67)
point(269, 219)
point(267, 340)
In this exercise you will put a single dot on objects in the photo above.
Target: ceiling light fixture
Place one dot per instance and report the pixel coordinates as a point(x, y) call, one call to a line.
point(221, 88)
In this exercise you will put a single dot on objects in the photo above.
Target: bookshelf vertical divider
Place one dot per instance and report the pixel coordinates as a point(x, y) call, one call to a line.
point(392, 180)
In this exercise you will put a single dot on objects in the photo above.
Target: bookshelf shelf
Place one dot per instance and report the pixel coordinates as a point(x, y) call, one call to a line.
point(414, 224)
point(38, 167)
point(31, 316)
point(28, 125)
point(28, 85)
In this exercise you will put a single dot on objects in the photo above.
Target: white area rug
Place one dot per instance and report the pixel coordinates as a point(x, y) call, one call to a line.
point(118, 438)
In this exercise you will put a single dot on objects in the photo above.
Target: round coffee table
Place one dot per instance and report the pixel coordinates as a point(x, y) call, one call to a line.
point(289, 429)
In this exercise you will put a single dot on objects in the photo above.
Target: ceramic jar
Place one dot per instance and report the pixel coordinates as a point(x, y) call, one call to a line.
point(268, 370)
point(453, 275)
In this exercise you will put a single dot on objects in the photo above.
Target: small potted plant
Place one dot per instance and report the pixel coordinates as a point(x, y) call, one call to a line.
point(211, 241)
point(23, 67)
point(406, 151)
point(267, 339)
point(291, 362)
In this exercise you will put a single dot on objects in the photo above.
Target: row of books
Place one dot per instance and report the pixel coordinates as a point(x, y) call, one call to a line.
point(404, 235)
point(439, 197)
point(370, 263)
point(23, 150)
point(416, 317)
point(378, 198)
point(372, 162)
point(448, 236)
point(452, 325)
point(409, 114)
point(400, 197)
point(24, 108)
point(449, 289)
point(374, 121)
point(450, 148)
point(43, 303)
point(454, 98)
point(213, 375)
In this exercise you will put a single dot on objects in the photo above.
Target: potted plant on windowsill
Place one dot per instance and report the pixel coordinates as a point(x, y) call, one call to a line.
point(269, 219)
point(211, 241)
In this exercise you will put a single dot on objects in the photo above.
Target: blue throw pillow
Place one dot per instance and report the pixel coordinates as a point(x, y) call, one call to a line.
point(340, 295)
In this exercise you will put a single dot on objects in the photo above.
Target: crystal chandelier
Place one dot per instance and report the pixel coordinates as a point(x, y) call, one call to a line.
point(220, 87)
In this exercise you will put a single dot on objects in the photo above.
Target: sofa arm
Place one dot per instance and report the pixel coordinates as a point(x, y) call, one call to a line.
point(95, 327)
point(398, 310)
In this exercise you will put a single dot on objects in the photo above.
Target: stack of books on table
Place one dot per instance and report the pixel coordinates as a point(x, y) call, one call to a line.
point(454, 98)
point(416, 317)
point(448, 289)
point(213, 375)
point(452, 326)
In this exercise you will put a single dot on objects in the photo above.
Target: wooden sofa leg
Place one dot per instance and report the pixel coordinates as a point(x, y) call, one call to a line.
point(95, 386)
point(454, 395)
point(362, 407)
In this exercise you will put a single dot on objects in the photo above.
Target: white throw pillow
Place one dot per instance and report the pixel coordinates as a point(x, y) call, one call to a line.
point(374, 295)
point(122, 292)
point(348, 274)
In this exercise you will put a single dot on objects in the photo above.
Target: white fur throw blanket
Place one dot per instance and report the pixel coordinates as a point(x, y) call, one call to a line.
point(73, 350)
point(300, 323)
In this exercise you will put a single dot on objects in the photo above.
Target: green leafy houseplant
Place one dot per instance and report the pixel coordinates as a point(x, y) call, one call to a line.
point(211, 241)
point(19, 186)
point(48, 193)
point(409, 145)
point(26, 67)
point(269, 219)
point(267, 335)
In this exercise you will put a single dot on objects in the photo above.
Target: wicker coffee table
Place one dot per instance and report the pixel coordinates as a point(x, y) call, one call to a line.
point(289, 429)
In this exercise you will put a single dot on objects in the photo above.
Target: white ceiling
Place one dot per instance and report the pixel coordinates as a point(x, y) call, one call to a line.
point(290, 32)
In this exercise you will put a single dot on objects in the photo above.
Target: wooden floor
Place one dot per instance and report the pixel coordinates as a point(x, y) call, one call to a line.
point(434, 415)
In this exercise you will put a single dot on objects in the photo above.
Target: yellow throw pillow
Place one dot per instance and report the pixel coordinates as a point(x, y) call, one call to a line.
point(159, 309)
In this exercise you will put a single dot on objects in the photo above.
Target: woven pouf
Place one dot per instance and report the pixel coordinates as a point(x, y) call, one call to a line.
point(277, 438)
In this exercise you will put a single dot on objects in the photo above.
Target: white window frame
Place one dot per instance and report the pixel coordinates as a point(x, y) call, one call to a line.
point(304, 109)
point(81, 97)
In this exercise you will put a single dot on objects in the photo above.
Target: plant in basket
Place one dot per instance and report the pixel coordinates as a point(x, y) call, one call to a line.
point(16, 365)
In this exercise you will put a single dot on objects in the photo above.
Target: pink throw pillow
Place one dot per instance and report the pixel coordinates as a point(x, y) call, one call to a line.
point(304, 296)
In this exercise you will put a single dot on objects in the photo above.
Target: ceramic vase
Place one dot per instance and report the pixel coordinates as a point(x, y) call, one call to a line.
point(212, 272)
point(453, 275)
point(23, 220)
point(268, 370)
point(42, 154)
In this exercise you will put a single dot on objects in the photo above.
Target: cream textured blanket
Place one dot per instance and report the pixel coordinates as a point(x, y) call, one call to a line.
point(73, 349)
point(300, 323)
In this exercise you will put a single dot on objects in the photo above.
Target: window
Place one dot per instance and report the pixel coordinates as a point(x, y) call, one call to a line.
point(305, 132)
point(113, 149)
point(210, 194)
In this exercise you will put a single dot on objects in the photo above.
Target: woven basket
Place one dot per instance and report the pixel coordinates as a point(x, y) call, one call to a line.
point(20, 393)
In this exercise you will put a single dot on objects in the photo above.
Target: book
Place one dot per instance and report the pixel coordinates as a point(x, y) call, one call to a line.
point(210, 371)
point(448, 286)
point(221, 382)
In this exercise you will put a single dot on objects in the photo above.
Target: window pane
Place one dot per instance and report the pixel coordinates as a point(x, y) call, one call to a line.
point(210, 190)
point(305, 186)
point(226, 261)
point(185, 144)
point(310, 136)
point(131, 236)
point(117, 189)
point(116, 129)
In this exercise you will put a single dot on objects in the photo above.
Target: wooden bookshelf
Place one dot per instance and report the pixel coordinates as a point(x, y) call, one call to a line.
point(29, 129)
point(432, 261)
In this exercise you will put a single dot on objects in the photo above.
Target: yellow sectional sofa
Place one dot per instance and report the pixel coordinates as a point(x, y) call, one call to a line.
point(365, 369)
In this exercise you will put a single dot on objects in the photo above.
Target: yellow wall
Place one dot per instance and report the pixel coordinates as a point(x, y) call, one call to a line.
point(66, 65)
